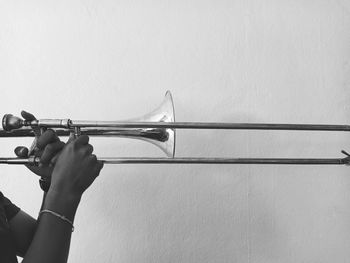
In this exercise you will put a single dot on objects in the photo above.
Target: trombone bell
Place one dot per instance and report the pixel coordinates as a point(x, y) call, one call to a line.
point(164, 138)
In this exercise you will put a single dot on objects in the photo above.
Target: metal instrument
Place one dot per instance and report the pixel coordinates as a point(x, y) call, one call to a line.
point(158, 128)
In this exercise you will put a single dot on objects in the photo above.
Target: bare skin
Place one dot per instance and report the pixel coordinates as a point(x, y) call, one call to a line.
point(72, 168)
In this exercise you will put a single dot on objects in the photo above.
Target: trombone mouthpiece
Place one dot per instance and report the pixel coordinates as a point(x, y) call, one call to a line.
point(10, 122)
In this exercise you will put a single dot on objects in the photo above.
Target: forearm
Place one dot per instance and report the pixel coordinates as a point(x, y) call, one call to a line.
point(23, 228)
point(43, 202)
point(51, 240)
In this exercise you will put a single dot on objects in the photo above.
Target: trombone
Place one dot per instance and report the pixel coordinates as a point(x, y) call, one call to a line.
point(159, 128)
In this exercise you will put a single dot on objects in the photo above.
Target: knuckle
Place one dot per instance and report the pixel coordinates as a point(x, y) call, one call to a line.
point(50, 132)
point(83, 139)
point(93, 158)
point(88, 149)
point(91, 148)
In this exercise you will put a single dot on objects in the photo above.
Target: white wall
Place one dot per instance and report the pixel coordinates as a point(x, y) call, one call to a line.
point(234, 61)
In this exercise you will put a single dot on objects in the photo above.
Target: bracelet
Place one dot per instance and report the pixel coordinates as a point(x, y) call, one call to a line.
point(62, 217)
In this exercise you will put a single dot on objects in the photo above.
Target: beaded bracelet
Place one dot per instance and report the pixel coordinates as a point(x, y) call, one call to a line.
point(62, 217)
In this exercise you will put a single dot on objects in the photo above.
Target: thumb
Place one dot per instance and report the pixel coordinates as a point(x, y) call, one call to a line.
point(21, 151)
point(28, 116)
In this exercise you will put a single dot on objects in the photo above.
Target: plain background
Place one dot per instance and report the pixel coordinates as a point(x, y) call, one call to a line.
point(226, 61)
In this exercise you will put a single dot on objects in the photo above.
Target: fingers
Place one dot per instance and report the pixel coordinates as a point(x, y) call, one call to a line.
point(88, 149)
point(82, 140)
point(50, 151)
point(46, 138)
point(27, 116)
point(54, 159)
point(96, 166)
point(21, 151)
point(100, 165)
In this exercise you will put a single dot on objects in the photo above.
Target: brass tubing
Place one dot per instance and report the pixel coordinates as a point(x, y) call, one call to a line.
point(213, 125)
point(123, 126)
point(106, 132)
point(191, 160)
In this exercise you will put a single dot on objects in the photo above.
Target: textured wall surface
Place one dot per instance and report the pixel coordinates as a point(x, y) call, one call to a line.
point(232, 61)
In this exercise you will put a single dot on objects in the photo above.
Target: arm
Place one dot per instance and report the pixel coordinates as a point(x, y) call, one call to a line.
point(23, 228)
point(51, 241)
point(48, 238)
point(22, 225)
point(75, 170)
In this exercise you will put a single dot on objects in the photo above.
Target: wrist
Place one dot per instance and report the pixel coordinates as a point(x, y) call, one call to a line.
point(63, 203)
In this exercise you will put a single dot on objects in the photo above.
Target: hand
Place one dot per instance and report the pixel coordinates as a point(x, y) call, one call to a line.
point(48, 148)
point(76, 168)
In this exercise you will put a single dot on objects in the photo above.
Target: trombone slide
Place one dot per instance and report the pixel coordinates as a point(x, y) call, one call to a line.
point(191, 160)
